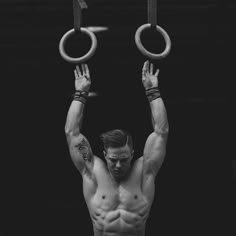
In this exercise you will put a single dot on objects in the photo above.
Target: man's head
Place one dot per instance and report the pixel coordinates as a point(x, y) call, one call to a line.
point(118, 152)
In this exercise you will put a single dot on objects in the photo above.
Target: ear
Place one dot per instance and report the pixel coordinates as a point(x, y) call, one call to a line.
point(104, 153)
point(132, 154)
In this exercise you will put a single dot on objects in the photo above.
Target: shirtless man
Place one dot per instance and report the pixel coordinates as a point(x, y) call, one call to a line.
point(119, 195)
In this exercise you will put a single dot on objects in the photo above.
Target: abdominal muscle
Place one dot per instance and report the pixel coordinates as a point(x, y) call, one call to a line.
point(119, 221)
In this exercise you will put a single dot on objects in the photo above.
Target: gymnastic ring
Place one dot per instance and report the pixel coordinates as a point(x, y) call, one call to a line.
point(147, 53)
point(84, 58)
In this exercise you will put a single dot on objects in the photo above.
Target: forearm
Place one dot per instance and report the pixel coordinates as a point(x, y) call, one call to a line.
point(74, 118)
point(159, 116)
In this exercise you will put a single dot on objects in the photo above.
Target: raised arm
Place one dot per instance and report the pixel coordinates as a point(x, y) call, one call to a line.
point(155, 147)
point(79, 146)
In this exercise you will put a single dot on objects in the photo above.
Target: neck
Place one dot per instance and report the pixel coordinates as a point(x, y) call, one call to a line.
point(115, 180)
point(119, 180)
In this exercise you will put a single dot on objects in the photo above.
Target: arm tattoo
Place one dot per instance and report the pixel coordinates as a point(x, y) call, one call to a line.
point(83, 148)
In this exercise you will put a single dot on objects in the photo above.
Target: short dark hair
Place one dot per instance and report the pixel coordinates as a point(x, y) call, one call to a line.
point(116, 138)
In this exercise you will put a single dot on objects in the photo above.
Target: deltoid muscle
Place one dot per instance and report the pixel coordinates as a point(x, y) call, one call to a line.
point(83, 148)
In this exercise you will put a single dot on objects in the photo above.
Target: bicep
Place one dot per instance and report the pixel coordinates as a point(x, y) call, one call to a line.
point(154, 153)
point(81, 153)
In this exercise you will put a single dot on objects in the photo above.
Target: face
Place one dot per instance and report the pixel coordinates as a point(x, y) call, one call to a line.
point(119, 161)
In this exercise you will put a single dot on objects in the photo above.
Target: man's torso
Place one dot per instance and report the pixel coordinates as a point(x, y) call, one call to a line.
point(118, 209)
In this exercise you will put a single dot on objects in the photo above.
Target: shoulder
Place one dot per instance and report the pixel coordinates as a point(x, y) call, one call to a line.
point(98, 162)
point(93, 177)
point(138, 163)
point(98, 165)
point(146, 180)
point(137, 166)
point(91, 172)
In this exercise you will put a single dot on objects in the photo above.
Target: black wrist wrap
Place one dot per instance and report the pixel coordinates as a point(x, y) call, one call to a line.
point(153, 93)
point(81, 96)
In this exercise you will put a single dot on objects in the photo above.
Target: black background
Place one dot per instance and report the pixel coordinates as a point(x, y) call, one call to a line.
point(191, 193)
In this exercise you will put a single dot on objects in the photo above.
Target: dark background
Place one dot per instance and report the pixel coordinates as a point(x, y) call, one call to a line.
point(191, 193)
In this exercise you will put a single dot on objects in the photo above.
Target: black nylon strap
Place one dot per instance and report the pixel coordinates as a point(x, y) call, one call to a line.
point(81, 96)
point(152, 12)
point(81, 93)
point(78, 6)
point(153, 93)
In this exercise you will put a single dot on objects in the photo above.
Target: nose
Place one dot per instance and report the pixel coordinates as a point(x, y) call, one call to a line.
point(118, 165)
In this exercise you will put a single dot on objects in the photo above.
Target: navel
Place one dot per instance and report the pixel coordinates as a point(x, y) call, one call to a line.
point(135, 196)
point(103, 196)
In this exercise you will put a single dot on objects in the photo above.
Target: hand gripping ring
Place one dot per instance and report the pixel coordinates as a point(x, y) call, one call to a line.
point(84, 58)
point(147, 53)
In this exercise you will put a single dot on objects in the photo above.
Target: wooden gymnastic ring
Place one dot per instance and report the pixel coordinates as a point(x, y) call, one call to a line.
point(84, 58)
point(147, 53)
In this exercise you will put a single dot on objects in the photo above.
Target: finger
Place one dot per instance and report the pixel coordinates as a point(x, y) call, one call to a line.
point(87, 71)
point(144, 70)
point(151, 69)
point(83, 69)
point(78, 71)
point(147, 66)
point(157, 72)
point(76, 75)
